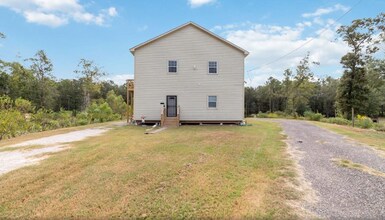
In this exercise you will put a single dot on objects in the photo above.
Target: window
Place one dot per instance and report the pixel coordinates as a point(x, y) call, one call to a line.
point(172, 66)
point(212, 101)
point(213, 67)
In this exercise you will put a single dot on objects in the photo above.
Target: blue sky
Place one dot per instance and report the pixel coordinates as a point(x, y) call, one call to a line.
point(103, 31)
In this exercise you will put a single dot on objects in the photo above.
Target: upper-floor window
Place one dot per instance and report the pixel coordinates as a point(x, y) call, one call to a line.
point(213, 67)
point(172, 66)
point(212, 101)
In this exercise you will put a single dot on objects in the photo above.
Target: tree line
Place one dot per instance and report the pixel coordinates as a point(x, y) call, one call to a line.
point(37, 84)
point(360, 90)
point(32, 99)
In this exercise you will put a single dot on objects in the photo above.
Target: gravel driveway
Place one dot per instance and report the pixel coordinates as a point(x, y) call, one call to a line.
point(342, 193)
point(24, 156)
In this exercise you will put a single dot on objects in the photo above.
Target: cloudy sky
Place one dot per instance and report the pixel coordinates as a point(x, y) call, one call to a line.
point(277, 33)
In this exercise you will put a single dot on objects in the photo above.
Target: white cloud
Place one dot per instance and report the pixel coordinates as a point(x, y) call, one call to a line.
point(198, 3)
point(44, 18)
point(55, 13)
point(324, 11)
point(267, 43)
point(119, 79)
point(112, 12)
point(142, 28)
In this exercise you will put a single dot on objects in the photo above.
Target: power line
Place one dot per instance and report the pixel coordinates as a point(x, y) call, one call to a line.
point(304, 44)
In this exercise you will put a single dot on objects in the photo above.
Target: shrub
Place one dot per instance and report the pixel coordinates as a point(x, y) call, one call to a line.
point(12, 124)
point(23, 105)
point(280, 114)
point(65, 118)
point(337, 120)
point(272, 115)
point(5, 102)
point(101, 113)
point(117, 104)
point(82, 119)
point(313, 116)
point(43, 118)
point(379, 127)
point(363, 122)
point(262, 115)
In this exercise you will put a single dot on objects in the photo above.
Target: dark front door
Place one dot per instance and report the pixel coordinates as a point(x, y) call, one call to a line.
point(171, 106)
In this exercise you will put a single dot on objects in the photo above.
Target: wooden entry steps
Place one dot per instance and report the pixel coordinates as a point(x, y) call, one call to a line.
point(169, 121)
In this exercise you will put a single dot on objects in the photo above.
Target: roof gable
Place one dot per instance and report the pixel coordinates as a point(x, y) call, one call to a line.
point(245, 52)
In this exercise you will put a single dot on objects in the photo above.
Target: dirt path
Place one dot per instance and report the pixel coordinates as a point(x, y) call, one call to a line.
point(22, 155)
point(342, 192)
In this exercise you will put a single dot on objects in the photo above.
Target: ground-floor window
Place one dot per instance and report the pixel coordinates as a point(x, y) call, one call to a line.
point(212, 101)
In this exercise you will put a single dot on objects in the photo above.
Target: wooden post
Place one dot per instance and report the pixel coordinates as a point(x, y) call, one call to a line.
point(128, 103)
point(130, 99)
point(353, 116)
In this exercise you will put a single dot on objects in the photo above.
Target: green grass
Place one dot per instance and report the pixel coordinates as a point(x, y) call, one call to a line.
point(186, 172)
point(370, 137)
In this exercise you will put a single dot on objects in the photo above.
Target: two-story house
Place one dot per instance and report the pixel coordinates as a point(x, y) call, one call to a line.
point(188, 75)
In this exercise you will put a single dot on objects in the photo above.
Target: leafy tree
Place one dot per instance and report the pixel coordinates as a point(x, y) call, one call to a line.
point(300, 89)
point(353, 90)
point(41, 67)
point(324, 96)
point(20, 81)
point(70, 95)
point(4, 80)
point(106, 87)
point(375, 69)
point(116, 103)
point(274, 93)
point(100, 112)
point(90, 74)
point(250, 101)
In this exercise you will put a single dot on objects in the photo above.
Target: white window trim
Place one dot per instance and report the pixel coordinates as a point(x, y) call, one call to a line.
point(208, 67)
point(207, 103)
point(177, 66)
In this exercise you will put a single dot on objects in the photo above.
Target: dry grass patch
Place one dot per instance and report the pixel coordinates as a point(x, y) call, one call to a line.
point(350, 164)
point(370, 137)
point(186, 172)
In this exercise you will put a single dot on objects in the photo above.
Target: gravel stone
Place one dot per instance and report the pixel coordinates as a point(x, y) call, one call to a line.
point(343, 193)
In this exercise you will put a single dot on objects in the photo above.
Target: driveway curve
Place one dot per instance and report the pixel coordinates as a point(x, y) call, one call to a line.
point(343, 192)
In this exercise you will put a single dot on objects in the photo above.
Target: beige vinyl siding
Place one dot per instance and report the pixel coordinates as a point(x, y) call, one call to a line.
point(191, 47)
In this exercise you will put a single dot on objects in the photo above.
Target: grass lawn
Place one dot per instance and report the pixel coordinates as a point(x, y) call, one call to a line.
point(365, 136)
point(186, 172)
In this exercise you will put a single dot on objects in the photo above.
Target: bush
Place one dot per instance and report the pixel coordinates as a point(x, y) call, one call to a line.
point(82, 119)
point(12, 124)
point(262, 115)
point(313, 116)
point(379, 127)
point(281, 114)
point(101, 113)
point(272, 115)
point(5, 102)
point(363, 122)
point(23, 105)
point(43, 117)
point(337, 120)
point(65, 118)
